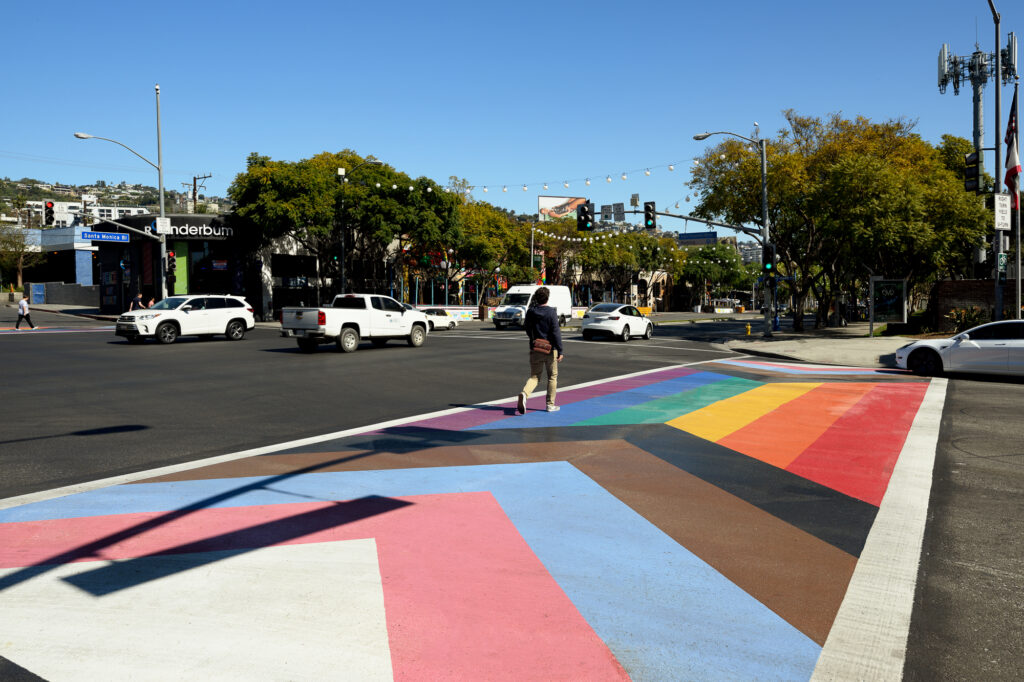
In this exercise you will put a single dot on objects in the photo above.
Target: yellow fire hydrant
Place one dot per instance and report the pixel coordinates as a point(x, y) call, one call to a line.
point(748, 329)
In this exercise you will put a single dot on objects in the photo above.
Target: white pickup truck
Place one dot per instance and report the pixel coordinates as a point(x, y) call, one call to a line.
point(352, 317)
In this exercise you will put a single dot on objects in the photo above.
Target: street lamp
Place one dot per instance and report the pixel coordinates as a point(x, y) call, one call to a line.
point(159, 165)
point(765, 234)
point(344, 216)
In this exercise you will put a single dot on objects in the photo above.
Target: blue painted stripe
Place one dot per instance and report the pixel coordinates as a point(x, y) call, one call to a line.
point(574, 413)
point(663, 612)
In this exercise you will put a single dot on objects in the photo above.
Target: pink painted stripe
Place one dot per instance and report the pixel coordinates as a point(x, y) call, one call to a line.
point(465, 597)
point(856, 455)
point(470, 418)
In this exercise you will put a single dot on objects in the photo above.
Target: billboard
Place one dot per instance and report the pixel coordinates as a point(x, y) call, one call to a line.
point(553, 208)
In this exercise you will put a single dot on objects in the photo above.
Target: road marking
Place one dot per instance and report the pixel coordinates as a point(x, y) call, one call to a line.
point(868, 640)
point(73, 489)
point(578, 339)
point(55, 330)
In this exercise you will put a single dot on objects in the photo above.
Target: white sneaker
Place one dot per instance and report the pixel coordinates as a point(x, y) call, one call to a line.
point(521, 404)
point(553, 408)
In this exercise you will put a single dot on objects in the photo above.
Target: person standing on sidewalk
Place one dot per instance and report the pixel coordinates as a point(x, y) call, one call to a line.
point(542, 323)
point(23, 313)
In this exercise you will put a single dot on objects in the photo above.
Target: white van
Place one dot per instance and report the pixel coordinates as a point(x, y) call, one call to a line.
point(514, 305)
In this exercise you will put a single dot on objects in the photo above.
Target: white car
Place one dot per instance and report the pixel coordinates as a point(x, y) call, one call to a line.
point(200, 315)
point(619, 320)
point(994, 348)
point(439, 318)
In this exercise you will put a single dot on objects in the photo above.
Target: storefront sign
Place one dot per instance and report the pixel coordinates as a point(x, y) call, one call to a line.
point(202, 231)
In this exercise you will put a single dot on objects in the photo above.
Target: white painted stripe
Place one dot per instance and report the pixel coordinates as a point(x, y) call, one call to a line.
point(295, 612)
point(76, 488)
point(868, 640)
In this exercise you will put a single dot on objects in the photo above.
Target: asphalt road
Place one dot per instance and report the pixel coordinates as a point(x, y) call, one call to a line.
point(83, 405)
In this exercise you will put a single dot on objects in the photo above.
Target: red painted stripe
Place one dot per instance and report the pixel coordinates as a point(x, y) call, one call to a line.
point(857, 454)
point(465, 596)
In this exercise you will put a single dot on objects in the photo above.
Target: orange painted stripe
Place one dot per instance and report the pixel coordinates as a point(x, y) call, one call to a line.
point(782, 435)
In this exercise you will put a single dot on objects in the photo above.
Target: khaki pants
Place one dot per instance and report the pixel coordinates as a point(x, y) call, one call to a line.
point(538, 362)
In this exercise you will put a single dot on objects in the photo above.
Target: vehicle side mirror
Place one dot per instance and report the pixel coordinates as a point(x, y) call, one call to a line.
point(186, 308)
point(965, 337)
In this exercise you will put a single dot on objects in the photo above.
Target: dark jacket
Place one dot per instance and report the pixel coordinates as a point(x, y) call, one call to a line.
point(542, 323)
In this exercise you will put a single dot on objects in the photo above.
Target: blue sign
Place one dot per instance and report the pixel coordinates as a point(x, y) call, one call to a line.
point(698, 238)
point(105, 236)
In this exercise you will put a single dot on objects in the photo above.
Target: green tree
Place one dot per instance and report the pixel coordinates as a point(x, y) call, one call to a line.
point(847, 199)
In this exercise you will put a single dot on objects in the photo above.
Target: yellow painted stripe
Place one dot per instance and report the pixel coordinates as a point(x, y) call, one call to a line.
point(718, 420)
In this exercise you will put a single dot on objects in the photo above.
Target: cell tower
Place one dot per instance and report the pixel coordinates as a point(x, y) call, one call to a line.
point(977, 68)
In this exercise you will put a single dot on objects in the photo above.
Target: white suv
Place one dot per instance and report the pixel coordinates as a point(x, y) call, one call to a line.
point(201, 315)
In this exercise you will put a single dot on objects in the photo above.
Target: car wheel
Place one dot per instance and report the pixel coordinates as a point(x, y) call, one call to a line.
point(349, 340)
point(625, 333)
point(307, 345)
point(588, 335)
point(166, 333)
point(451, 325)
point(235, 331)
point(649, 332)
point(416, 336)
point(925, 362)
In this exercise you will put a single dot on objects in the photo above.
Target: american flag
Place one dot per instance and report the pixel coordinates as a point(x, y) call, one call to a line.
point(1012, 179)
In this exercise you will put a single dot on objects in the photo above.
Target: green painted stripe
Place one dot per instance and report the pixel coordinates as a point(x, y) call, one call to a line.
point(665, 409)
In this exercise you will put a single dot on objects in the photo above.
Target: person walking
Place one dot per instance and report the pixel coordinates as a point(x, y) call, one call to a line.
point(23, 313)
point(137, 303)
point(541, 324)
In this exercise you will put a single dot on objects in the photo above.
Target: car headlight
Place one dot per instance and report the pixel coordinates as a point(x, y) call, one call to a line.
point(148, 316)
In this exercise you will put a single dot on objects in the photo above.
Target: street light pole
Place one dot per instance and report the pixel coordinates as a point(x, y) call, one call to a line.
point(344, 215)
point(769, 297)
point(159, 166)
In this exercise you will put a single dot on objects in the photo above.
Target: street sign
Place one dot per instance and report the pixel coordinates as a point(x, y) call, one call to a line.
point(162, 225)
point(606, 212)
point(1001, 262)
point(619, 212)
point(105, 236)
point(1003, 212)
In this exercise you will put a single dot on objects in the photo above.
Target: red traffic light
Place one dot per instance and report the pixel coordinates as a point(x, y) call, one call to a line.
point(170, 254)
point(49, 204)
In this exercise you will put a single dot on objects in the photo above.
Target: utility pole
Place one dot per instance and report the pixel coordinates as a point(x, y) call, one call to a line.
point(195, 191)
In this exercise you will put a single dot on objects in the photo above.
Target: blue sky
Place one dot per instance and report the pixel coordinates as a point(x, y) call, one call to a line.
point(501, 94)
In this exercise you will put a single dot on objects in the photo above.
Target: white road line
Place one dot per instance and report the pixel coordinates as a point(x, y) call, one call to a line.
point(40, 496)
point(565, 339)
point(868, 640)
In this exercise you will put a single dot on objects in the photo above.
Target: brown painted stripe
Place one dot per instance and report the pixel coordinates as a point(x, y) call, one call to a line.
point(796, 575)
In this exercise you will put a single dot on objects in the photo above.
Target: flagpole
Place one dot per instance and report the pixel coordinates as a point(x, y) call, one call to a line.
point(1016, 189)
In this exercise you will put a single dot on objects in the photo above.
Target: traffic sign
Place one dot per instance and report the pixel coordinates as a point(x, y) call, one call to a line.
point(1001, 262)
point(162, 225)
point(1003, 212)
point(105, 236)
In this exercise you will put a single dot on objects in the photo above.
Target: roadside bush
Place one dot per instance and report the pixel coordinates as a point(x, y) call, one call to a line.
point(965, 318)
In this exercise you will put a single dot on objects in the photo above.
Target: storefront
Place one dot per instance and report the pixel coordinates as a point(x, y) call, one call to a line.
point(203, 258)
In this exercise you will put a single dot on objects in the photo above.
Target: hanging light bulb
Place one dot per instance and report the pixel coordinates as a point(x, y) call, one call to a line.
point(524, 188)
point(485, 189)
point(588, 181)
point(410, 188)
point(687, 197)
point(545, 185)
point(648, 171)
point(671, 166)
point(696, 162)
point(566, 183)
point(504, 188)
point(677, 204)
point(396, 187)
point(623, 176)
point(608, 179)
point(378, 185)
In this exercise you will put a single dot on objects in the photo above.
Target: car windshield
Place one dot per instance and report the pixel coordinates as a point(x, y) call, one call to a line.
point(168, 303)
point(516, 299)
point(605, 307)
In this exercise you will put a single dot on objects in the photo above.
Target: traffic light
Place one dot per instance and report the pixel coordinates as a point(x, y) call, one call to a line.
point(585, 216)
point(972, 172)
point(48, 213)
point(650, 215)
point(768, 261)
point(172, 262)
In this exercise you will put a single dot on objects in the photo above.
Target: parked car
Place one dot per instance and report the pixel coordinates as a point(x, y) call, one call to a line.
point(439, 318)
point(201, 315)
point(351, 318)
point(994, 348)
point(619, 320)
